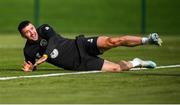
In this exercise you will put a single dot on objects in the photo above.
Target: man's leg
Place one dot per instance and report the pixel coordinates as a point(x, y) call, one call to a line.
point(126, 65)
point(116, 67)
point(104, 43)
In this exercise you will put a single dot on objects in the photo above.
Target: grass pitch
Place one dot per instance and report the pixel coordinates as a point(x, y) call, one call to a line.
point(145, 86)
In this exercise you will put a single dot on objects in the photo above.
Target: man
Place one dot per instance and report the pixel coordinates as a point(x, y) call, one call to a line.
point(44, 44)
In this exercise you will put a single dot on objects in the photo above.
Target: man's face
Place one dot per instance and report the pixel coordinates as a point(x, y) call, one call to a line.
point(30, 33)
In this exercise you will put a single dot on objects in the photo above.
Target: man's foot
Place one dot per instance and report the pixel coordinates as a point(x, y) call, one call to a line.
point(146, 64)
point(154, 39)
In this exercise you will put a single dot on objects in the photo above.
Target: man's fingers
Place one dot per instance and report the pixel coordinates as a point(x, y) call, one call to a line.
point(30, 63)
point(27, 66)
point(26, 70)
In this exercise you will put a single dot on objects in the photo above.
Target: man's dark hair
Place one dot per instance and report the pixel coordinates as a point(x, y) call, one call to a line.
point(22, 25)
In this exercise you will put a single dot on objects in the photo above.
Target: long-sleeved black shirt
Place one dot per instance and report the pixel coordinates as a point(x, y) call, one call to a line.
point(61, 52)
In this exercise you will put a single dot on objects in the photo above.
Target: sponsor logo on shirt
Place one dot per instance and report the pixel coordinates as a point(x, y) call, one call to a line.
point(90, 40)
point(54, 54)
point(47, 28)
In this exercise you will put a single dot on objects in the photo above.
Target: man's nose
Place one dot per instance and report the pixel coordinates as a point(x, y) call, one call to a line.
point(31, 33)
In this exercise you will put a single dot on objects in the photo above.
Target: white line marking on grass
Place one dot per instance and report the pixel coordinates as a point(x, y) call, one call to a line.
point(159, 67)
point(74, 73)
point(47, 75)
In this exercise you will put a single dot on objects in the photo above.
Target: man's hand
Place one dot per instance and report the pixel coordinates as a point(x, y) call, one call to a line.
point(28, 66)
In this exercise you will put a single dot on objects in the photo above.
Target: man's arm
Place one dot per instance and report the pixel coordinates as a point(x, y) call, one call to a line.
point(28, 66)
point(41, 60)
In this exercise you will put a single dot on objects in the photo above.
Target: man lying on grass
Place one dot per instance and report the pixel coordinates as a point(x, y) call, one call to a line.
point(45, 45)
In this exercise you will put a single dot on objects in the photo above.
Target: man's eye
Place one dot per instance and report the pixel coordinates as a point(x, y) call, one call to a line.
point(26, 32)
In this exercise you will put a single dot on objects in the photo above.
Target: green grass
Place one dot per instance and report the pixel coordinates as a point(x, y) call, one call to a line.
point(146, 86)
point(94, 16)
point(129, 87)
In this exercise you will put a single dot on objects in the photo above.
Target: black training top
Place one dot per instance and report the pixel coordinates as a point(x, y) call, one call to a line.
point(61, 52)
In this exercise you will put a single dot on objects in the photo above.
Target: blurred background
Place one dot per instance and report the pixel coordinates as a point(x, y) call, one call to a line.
point(94, 16)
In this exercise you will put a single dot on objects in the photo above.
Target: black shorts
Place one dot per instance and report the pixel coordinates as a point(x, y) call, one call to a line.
point(89, 52)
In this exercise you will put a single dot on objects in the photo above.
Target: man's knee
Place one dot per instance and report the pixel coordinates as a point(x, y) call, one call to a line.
point(110, 66)
point(115, 41)
point(122, 66)
point(102, 41)
point(116, 67)
point(110, 41)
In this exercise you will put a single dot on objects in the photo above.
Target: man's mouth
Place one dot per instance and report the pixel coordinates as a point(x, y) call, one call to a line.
point(33, 36)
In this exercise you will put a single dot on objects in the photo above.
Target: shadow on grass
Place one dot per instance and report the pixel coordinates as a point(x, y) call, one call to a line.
point(40, 69)
point(62, 70)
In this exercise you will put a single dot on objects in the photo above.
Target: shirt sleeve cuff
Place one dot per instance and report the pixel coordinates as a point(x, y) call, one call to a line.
point(45, 55)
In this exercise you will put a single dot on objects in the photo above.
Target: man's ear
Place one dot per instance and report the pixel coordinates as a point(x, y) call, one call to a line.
point(23, 36)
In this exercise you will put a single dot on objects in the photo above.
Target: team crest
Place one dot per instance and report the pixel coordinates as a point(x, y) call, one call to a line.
point(54, 53)
point(43, 42)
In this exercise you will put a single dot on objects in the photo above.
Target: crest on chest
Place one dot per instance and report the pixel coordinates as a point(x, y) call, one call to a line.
point(43, 42)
